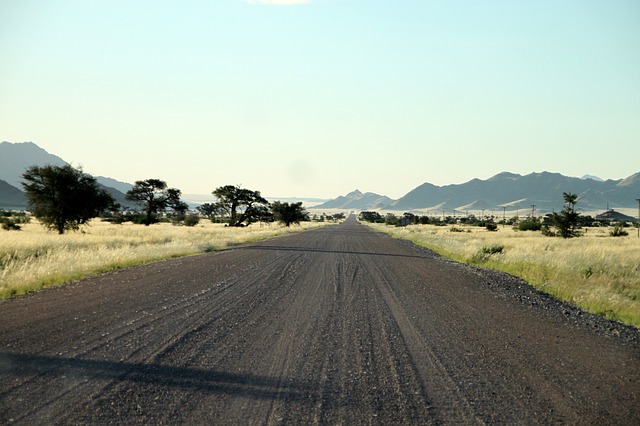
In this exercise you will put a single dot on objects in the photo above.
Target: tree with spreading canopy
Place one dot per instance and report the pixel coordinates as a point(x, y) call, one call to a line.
point(240, 204)
point(288, 213)
point(155, 196)
point(63, 197)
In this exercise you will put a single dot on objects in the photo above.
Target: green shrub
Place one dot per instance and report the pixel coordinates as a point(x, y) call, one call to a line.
point(140, 219)
point(530, 224)
point(191, 220)
point(547, 232)
point(115, 218)
point(493, 249)
point(391, 219)
point(618, 231)
point(486, 252)
point(11, 221)
point(9, 224)
point(491, 226)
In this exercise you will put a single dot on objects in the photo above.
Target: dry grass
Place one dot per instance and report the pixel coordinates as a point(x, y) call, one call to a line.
point(596, 272)
point(34, 258)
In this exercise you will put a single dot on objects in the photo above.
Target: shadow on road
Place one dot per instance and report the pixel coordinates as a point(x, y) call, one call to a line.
point(313, 250)
point(55, 368)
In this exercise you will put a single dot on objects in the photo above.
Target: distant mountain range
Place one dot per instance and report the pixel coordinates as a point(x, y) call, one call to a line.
point(11, 198)
point(15, 158)
point(504, 190)
point(356, 200)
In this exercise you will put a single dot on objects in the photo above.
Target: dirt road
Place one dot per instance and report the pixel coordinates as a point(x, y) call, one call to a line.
point(340, 325)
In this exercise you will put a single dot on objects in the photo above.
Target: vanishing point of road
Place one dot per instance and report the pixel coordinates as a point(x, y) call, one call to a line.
point(340, 325)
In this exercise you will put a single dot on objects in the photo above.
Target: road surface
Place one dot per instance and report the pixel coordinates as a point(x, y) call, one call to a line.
point(340, 325)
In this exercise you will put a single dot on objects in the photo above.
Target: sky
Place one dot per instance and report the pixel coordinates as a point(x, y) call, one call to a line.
point(317, 98)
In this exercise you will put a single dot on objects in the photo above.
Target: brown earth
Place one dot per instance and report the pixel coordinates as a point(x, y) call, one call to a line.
point(340, 325)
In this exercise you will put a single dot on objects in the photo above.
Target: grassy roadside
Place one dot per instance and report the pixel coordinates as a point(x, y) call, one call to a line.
point(596, 272)
point(34, 258)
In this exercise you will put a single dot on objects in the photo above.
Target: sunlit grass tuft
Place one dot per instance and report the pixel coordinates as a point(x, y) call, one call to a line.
point(596, 272)
point(34, 258)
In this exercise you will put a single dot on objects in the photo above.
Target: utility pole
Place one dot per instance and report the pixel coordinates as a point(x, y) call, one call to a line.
point(504, 216)
point(638, 223)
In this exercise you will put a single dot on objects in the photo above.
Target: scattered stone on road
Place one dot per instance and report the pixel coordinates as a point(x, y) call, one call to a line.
point(340, 325)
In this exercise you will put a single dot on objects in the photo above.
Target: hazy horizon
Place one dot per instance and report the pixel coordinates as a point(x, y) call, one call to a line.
point(317, 98)
point(206, 197)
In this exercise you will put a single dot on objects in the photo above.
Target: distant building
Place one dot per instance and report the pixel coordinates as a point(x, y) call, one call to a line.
point(613, 216)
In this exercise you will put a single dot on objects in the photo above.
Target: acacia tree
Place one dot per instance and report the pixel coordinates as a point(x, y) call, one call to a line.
point(240, 204)
point(63, 197)
point(154, 195)
point(288, 213)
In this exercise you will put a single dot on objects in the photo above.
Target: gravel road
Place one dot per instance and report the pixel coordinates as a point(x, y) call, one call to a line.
point(340, 325)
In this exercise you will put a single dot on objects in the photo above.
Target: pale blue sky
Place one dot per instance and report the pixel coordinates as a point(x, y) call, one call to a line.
point(319, 98)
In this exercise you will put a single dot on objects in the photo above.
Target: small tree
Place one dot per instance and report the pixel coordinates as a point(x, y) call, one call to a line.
point(370, 216)
point(191, 220)
point(566, 222)
point(64, 198)
point(491, 226)
point(154, 195)
point(391, 219)
point(242, 205)
point(211, 211)
point(288, 213)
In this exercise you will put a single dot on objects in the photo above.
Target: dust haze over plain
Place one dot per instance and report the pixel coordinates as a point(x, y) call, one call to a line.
point(317, 98)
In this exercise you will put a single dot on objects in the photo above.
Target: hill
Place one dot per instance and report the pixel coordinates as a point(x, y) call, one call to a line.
point(122, 187)
point(513, 191)
point(614, 216)
point(505, 190)
point(356, 200)
point(15, 158)
point(11, 198)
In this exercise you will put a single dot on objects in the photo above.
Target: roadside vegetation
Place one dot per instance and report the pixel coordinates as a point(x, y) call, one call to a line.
point(13, 221)
point(598, 272)
point(64, 199)
point(34, 257)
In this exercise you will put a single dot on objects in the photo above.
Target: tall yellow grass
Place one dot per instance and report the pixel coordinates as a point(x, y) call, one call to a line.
point(34, 257)
point(596, 272)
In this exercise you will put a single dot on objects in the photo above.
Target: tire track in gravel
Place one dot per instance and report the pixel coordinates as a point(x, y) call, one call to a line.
point(340, 325)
